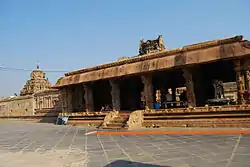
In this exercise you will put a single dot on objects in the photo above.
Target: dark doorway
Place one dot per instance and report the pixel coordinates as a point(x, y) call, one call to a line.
point(130, 93)
point(101, 94)
point(207, 73)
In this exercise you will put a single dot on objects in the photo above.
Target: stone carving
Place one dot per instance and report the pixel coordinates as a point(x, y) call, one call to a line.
point(241, 87)
point(36, 83)
point(151, 46)
point(109, 117)
point(241, 83)
point(136, 119)
point(246, 44)
point(115, 94)
point(247, 76)
point(158, 95)
point(88, 97)
point(218, 89)
point(48, 100)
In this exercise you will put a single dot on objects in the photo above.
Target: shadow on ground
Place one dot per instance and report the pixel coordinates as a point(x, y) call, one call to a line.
point(123, 163)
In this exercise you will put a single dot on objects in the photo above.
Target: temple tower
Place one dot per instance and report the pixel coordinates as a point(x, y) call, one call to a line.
point(37, 82)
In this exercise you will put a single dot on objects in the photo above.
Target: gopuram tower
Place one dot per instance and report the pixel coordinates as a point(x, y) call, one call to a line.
point(37, 82)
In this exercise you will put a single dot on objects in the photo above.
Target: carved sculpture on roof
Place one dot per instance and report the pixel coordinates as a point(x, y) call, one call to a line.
point(151, 46)
point(37, 82)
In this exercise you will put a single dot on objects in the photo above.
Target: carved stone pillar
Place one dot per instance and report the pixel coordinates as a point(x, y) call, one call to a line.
point(240, 80)
point(190, 87)
point(174, 95)
point(80, 97)
point(74, 98)
point(247, 78)
point(43, 102)
point(148, 90)
point(115, 94)
point(63, 99)
point(69, 93)
point(88, 96)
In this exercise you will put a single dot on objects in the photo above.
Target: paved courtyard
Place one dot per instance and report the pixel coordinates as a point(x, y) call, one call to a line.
point(45, 145)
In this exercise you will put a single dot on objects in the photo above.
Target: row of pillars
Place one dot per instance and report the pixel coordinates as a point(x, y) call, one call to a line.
point(242, 80)
point(148, 93)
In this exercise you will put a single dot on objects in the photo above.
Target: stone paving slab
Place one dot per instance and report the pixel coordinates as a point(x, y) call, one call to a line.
point(40, 145)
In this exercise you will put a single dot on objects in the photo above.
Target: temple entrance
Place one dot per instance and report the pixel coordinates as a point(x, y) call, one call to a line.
point(102, 95)
point(130, 93)
point(169, 83)
point(208, 74)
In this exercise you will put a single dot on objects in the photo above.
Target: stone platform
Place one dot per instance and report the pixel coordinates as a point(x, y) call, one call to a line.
point(37, 144)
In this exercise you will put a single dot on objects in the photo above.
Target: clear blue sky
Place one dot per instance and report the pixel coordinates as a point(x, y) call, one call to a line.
point(68, 35)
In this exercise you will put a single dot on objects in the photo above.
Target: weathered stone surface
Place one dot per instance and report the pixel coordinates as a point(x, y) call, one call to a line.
point(187, 73)
point(151, 46)
point(18, 105)
point(247, 77)
point(88, 96)
point(214, 109)
point(147, 91)
point(115, 94)
point(240, 80)
point(109, 117)
point(48, 99)
point(210, 122)
point(136, 119)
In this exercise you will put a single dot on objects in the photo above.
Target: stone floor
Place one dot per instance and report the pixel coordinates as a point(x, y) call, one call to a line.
point(45, 145)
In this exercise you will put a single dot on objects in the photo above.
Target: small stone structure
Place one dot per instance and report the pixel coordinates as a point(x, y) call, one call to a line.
point(49, 99)
point(109, 117)
point(136, 119)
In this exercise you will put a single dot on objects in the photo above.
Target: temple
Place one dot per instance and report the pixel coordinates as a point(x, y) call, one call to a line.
point(199, 85)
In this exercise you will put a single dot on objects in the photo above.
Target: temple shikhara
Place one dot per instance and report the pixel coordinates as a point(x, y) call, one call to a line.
point(37, 82)
point(205, 84)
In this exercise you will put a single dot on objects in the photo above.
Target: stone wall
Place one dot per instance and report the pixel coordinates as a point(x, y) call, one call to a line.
point(42, 102)
point(18, 105)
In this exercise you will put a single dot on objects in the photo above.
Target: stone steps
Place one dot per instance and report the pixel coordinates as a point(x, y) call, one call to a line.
point(211, 122)
point(118, 122)
point(231, 118)
point(194, 116)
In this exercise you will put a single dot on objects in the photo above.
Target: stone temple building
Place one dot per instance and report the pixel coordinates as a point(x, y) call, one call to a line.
point(126, 84)
point(37, 96)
